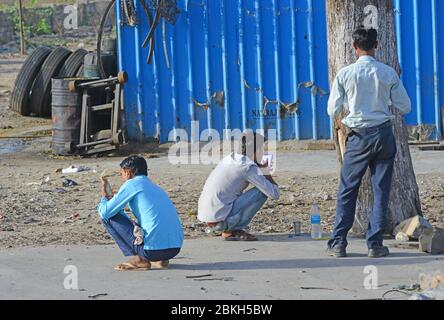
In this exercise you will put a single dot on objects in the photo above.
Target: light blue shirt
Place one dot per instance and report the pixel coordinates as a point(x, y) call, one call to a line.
point(366, 89)
point(153, 209)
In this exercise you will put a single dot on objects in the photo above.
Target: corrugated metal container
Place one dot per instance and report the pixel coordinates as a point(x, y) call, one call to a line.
point(420, 37)
point(260, 64)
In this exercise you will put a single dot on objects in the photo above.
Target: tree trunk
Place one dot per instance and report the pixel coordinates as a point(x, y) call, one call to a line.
point(22, 33)
point(343, 17)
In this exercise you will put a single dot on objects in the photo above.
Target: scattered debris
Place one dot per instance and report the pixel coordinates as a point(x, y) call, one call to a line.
point(217, 279)
point(411, 287)
point(71, 218)
point(432, 241)
point(394, 290)
point(34, 184)
point(433, 294)
point(431, 281)
point(192, 213)
point(406, 245)
point(31, 220)
point(73, 169)
point(199, 276)
point(203, 289)
point(315, 288)
point(413, 227)
point(93, 296)
point(69, 183)
point(60, 190)
point(248, 250)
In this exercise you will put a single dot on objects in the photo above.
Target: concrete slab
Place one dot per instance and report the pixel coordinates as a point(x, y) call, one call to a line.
point(276, 267)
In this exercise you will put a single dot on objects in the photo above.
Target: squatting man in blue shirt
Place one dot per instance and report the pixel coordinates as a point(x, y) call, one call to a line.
point(157, 236)
point(366, 89)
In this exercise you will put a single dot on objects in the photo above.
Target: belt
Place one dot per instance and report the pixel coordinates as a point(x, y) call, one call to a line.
point(372, 129)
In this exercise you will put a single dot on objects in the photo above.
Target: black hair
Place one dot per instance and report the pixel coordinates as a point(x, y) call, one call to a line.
point(365, 39)
point(136, 164)
point(251, 142)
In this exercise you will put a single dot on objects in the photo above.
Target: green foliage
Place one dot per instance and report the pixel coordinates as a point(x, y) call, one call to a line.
point(32, 14)
point(42, 27)
point(32, 3)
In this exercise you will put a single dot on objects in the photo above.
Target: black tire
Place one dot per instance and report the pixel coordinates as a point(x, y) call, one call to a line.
point(40, 100)
point(19, 101)
point(73, 64)
point(80, 72)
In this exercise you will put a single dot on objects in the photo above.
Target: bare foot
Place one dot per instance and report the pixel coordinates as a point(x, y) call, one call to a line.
point(160, 264)
point(135, 264)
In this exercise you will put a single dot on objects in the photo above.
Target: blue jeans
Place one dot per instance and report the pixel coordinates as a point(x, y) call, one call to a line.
point(374, 148)
point(120, 227)
point(244, 209)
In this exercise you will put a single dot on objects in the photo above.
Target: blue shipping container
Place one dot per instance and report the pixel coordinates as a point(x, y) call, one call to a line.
point(261, 64)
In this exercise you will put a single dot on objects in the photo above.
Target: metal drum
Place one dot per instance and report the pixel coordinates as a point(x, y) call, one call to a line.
point(91, 70)
point(66, 112)
point(109, 46)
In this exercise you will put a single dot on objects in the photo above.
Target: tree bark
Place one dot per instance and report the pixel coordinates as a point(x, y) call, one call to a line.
point(343, 17)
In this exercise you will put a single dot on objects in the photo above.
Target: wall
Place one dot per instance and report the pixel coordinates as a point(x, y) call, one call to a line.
point(251, 64)
point(420, 37)
point(89, 15)
point(231, 66)
point(6, 28)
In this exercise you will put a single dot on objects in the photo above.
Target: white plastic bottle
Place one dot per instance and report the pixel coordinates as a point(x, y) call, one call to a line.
point(315, 218)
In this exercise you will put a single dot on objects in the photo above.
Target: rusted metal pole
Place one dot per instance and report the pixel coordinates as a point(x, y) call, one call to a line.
point(22, 33)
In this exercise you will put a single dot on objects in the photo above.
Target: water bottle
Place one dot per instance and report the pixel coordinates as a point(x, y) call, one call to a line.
point(315, 217)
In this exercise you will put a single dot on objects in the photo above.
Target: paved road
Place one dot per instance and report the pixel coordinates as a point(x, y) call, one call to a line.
point(277, 267)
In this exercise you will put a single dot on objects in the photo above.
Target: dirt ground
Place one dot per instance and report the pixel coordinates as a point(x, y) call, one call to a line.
point(36, 209)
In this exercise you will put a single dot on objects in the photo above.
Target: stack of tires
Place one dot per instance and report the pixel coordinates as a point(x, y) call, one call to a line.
point(31, 94)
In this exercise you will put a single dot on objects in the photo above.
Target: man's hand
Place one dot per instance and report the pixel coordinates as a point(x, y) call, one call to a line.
point(105, 188)
point(103, 192)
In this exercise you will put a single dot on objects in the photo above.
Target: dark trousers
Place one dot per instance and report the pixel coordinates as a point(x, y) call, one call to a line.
point(120, 227)
point(374, 148)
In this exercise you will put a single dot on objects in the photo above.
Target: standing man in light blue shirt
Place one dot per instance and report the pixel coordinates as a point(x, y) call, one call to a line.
point(366, 90)
point(157, 236)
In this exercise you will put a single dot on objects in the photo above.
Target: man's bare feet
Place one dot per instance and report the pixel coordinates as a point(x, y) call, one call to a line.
point(160, 264)
point(227, 234)
point(135, 264)
point(238, 235)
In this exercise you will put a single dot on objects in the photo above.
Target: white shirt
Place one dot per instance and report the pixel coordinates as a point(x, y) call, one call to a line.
point(227, 182)
point(367, 88)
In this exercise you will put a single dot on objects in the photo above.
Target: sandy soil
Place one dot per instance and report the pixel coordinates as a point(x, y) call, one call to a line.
point(36, 209)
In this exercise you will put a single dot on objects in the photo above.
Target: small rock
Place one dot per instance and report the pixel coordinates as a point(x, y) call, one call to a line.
point(401, 236)
point(60, 190)
point(31, 220)
point(69, 183)
point(413, 227)
point(432, 241)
